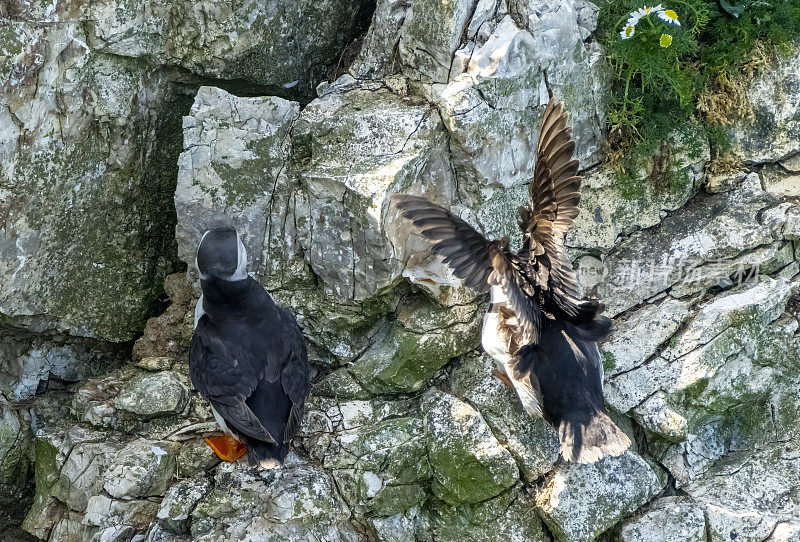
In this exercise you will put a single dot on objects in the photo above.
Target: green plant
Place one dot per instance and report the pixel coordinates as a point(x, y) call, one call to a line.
point(666, 75)
point(648, 48)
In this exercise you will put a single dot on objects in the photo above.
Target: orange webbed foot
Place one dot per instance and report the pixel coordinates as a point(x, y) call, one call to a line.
point(503, 378)
point(226, 447)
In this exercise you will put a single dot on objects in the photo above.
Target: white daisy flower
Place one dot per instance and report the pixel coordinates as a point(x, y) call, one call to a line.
point(634, 18)
point(647, 10)
point(669, 17)
point(627, 32)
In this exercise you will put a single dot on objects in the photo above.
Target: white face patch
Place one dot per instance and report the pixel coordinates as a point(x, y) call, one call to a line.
point(202, 276)
point(241, 264)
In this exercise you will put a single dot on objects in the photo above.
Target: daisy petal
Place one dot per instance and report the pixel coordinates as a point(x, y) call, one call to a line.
point(669, 16)
point(627, 32)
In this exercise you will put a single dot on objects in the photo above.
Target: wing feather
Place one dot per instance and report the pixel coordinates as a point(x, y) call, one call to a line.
point(218, 375)
point(480, 263)
point(555, 196)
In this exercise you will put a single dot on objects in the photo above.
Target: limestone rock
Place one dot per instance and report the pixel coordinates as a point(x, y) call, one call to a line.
point(507, 517)
point(141, 468)
point(651, 261)
point(235, 153)
point(32, 359)
point(153, 394)
point(354, 147)
point(422, 340)
point(179, 501)
point(375, 450)
point(430, 35)
point(671, 519)
point(106, 513)
point(15, 443)
point(377, 56)
point(296, 502)
point(89, 456)
point(469, 464)
point(284, 47)
point(532, 441)
point(578, 502)
point(775, 131)
point(88, 243)
point(736, 508)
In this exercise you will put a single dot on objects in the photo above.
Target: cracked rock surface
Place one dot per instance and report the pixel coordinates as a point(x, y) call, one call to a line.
point(129, 128)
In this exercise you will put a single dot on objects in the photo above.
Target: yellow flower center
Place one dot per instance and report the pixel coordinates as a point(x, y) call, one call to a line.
point(666, 40)
point(671, 14)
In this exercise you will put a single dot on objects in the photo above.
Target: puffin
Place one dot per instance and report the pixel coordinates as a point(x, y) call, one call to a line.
point(540, 333)
point(247, 357)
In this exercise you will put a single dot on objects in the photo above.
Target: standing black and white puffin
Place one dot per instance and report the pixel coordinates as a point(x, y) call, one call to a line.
point(541, 335)
point(247, 357)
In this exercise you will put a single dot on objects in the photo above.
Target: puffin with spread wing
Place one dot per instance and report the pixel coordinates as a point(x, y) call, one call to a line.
point(247, 358)
point(541, 335)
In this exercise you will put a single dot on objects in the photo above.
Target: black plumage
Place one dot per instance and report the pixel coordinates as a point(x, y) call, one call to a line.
point(248, 356)
point(540, 333)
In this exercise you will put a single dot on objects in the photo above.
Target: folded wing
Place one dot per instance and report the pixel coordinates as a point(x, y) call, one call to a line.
point(226, 378)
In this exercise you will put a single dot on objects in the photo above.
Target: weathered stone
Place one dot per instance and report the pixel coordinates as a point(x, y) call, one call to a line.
point(296, 502)
point(168, 335)
point(286, 47)
point(105, 513)
point(235, 153)
point(15, 446)
point(469, 464)
point(87, 243)
point(194, 456)
point(352, 149)
point(669, 519)
point(580, 501)
point(30, 360)
point(381, 468)
point(779, 182)
point(507, 517)
point(377, 57)
point(637, 337)
point(179, 501)
point(775, 132)
point(430, 35)
point(422, 340)
point(81, 475)
point(532, 441)
point(153, 394)
point(141, 468)
point(410, 526)
point(738, 509)
point(611, 209)
point(650, 261)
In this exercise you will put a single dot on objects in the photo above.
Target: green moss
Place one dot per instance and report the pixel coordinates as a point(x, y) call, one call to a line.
point(609, 363)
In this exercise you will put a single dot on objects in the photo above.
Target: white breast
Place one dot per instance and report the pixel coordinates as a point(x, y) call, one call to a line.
point(492, 343)
point(198, 310)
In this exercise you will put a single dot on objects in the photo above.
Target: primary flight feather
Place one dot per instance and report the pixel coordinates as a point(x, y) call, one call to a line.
point(541, 335)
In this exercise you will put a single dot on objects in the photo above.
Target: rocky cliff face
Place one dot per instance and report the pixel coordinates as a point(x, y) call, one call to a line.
point(129, 128)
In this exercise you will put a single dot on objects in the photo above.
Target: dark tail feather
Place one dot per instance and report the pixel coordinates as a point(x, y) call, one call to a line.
point(588, 436)
point(264, 455)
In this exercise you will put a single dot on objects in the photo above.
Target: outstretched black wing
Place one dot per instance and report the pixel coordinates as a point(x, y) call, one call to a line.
point(479, 262)
point(466, 251)
point(555, 197)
